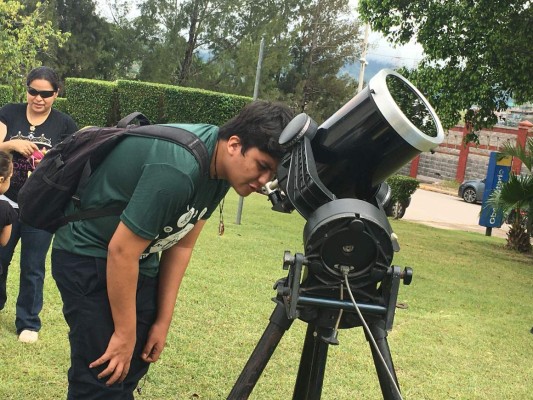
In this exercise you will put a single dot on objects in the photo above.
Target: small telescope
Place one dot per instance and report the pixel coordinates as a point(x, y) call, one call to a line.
point(334, 176)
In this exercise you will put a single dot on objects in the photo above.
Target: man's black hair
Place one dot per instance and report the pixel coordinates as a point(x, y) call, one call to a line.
point(259, 124)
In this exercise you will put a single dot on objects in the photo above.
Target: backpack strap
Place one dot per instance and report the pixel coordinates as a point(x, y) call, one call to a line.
point(128, 119)
point(92, 213)
point(184, 138)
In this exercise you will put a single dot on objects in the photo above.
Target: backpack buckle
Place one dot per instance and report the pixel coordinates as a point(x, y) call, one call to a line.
point(76, 200)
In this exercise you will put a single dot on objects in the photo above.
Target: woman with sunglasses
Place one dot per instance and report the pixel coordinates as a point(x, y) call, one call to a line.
point(27, 130)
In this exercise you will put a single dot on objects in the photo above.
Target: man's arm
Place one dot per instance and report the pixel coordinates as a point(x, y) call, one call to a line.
point(123, 254)
point(174, 262)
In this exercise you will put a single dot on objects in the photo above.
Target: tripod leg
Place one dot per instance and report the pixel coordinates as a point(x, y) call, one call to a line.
point(388, 389)
point(279, 324)
point(312, 365)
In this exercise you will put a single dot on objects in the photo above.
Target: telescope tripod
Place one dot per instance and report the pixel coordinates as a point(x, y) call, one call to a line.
point(319, 336)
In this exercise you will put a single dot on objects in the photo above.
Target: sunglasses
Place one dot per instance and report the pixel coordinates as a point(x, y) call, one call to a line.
point(43, 93)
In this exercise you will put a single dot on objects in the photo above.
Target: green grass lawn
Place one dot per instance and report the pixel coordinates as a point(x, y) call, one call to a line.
point(464, 335)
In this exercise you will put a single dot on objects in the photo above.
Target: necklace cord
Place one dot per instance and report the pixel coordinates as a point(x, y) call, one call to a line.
point(221, 204)
point(215, 160)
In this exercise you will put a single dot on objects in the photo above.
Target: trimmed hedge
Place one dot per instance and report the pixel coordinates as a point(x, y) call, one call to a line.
point(402, 187)
point(202, 106)
point(100, 103)
point(91, 102)
point(61, 104)
point(167, 103)
point(148, 98)
point(6, 95)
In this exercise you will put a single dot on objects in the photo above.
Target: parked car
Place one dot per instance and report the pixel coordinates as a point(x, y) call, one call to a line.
point(396, 209)
point(393, 208)
point(472, 190)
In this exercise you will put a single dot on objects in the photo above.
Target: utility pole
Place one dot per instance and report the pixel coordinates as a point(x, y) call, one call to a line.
point(256, 94)
point(362, 60)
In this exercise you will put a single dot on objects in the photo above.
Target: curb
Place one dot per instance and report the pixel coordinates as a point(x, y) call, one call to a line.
point(433, 188)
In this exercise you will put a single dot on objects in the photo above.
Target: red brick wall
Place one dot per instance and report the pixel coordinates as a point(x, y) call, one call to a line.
point(453, 160)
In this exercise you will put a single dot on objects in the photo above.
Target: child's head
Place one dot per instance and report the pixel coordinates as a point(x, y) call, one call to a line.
point(6, 170)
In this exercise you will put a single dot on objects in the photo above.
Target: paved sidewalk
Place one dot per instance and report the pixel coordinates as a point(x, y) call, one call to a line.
point(443, 209)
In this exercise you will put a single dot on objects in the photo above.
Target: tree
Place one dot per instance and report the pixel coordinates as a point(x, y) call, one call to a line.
point(89, 53)
point(477, 52)
point(214, 44)
point(90, 37)
point(517, 194)
point(197, 15)
point(23, 37)
point(125, 44)
point(324, 40)
point(232, 39)
point(158, 30)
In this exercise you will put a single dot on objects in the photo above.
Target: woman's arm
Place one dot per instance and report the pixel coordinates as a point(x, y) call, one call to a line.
point(3, 131)
point(5, 234)
point(24, 147)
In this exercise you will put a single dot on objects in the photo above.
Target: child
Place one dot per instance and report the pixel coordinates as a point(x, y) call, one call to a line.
point(7, 213)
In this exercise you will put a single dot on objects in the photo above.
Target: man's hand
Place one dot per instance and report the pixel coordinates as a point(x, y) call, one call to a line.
point(155, 343)
point(123, 254)
point(118, 354)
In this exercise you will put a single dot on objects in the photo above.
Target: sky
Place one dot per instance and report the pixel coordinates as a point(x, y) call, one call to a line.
point(382, 52)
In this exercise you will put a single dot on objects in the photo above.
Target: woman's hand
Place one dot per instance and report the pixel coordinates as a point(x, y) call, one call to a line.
point(24, 147)
point(37, 156)
point(155, 343)
point(118, 355)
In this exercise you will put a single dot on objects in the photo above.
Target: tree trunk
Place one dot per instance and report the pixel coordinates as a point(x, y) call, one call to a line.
point(517, 237)
point(191, 45)
point(308, 84)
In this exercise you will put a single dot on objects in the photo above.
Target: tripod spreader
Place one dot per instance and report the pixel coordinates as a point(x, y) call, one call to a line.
point(289, 290)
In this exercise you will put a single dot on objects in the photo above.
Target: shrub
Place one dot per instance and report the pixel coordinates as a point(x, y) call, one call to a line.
point(91, 102)
point(61, 104)
point(6, 95)
point(145, 97)
point(402, 187)
point(100, 103)
point(202, 106)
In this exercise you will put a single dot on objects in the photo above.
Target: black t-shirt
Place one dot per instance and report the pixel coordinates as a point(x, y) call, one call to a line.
point(52, 131)
point(7, 214)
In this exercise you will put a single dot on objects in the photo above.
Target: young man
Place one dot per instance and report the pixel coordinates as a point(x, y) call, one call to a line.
point(118, 292)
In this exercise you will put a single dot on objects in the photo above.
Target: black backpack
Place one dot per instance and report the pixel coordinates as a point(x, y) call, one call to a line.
point(65, 170)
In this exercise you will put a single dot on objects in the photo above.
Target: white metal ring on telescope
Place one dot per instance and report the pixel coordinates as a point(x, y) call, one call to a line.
point(395, 116)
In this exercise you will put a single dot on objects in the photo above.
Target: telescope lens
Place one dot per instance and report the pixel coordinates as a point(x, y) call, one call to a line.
point(412, 106)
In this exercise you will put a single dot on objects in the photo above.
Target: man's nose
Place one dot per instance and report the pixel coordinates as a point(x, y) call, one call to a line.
point(265, 178)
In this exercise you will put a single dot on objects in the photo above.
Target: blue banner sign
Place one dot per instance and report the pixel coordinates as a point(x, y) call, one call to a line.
point(497, 173)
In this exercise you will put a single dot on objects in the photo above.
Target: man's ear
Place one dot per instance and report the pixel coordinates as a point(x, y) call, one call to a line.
point(234, 144)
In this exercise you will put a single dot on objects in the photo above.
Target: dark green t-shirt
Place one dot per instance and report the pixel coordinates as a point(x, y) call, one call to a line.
point(162, 187)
